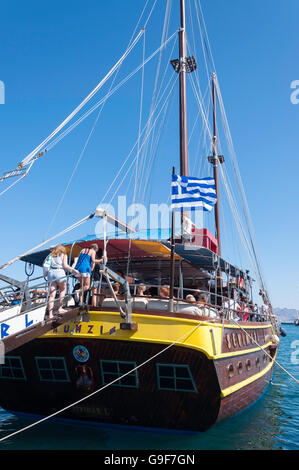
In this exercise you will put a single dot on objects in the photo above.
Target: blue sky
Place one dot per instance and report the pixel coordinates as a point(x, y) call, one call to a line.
point(53, 53)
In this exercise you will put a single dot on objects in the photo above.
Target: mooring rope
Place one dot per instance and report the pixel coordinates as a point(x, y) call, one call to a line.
point(265, 352)
point(100, 389)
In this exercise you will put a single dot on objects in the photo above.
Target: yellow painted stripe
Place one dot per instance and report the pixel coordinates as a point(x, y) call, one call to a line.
point(154, 329)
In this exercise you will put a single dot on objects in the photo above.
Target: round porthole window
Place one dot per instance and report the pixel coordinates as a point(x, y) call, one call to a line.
point(257, 362)
point(230, 370)
point(80, 353)
point(248, 364)
point(240, 368)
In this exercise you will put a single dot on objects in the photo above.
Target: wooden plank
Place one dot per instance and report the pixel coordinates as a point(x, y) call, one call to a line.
point(14, 341)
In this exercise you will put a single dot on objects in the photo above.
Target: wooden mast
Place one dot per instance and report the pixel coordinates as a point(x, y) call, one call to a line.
point(215, 166)
point(183, 134)
point(216, 160)
point(183, 95)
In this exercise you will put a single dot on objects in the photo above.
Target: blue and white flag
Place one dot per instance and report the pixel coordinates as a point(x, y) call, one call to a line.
point(188, 192)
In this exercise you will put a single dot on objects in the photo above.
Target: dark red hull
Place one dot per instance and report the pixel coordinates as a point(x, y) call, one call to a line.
point(145, 405)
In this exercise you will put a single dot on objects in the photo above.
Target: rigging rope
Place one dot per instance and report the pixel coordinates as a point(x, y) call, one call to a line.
point(91, 132)
point(240, 185)
point(251, 242)
point(73, 172)
point(26, 160)
point(102, 388)
point(110, 93)
point(138, 146)
point(145, 128)
point(19, 179)
point(84, 116)
point(68, 229)
point(155, 95)
point(248, 244)
point(265, 352)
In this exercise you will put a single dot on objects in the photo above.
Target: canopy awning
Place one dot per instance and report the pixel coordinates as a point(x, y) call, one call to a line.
point(148, 258)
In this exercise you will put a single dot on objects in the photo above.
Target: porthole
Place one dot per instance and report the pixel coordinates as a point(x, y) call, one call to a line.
point(264, 358)
point(240, 368)
point(230, 371)
point(257, 362)
point(248, 364)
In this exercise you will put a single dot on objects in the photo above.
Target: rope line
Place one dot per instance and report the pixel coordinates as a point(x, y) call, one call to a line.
point(265, 352)
point(26, 160)
point(145, 128)
point(100, 389)
point(68, 229)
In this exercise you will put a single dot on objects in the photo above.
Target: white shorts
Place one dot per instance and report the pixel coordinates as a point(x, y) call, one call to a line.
point(56, 275)
point(82, 275)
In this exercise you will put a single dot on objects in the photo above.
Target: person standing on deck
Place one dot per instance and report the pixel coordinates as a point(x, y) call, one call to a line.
point(56, 277)
point(97, 282)
point(85, 264)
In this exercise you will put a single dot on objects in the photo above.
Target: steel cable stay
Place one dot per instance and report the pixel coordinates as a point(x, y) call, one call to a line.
point(110, 93)
point(26, 164)
point(27, 159)
point(102, 388)
point(145, 139)
point(155, 94)
point(152, 156)
point(94, 125)
point(148, 175)
point(131, 151)
point(87, 141)
point(248, 244)
point(240, 184)
point(146, 163)
point(143, 143)
point(207, 47)
point(36, 153)
point(76, 224)
point(138, 146)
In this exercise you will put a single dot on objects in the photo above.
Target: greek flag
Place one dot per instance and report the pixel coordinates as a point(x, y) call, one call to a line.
point(188, 192)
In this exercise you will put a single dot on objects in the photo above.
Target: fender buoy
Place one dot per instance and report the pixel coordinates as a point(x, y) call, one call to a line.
point(282, 332)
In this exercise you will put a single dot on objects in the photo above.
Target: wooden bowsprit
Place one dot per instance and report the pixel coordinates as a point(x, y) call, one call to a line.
point(35, 330)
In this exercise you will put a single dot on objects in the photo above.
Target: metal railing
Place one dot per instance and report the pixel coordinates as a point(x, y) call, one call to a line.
point(226, 307)
point(36, 295)
point(32, 296)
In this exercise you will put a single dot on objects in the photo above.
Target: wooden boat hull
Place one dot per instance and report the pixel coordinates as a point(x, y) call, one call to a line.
point(215, 395)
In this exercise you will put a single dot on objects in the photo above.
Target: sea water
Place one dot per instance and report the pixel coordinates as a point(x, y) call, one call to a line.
point(271, 423)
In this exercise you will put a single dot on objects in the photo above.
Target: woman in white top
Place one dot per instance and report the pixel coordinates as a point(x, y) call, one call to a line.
point(56, 277)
